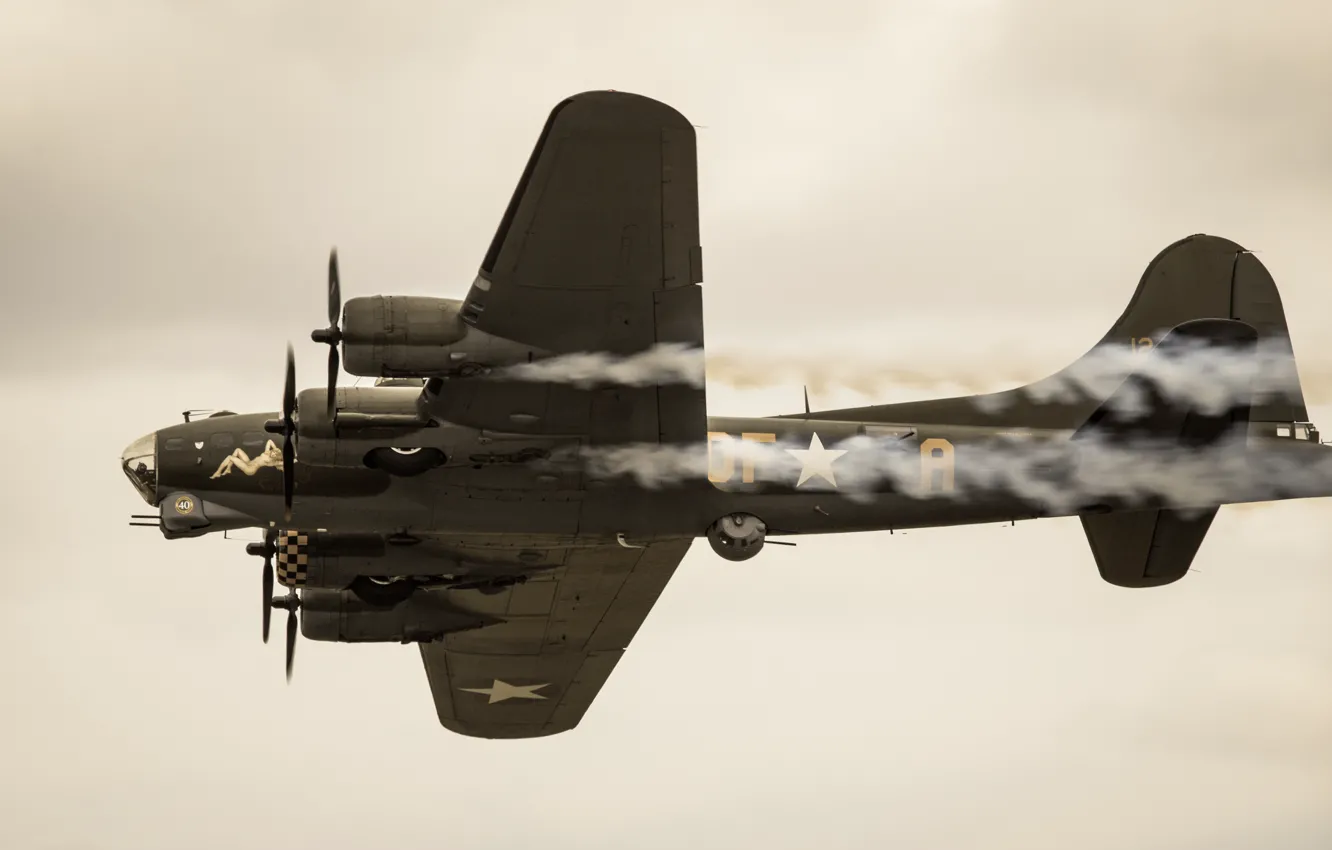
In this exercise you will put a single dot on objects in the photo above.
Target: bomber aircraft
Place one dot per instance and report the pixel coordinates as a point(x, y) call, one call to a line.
point(518, 522)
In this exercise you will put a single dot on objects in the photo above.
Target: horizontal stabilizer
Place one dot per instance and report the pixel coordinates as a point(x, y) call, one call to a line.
point(1146, 548)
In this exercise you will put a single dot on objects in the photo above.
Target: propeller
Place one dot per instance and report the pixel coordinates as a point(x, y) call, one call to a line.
point(292, 603)
point(286, 426)
point(266, 550)
point(332, 335)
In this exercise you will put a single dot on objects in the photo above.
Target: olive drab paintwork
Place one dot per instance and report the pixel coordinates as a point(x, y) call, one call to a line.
point(445, 508)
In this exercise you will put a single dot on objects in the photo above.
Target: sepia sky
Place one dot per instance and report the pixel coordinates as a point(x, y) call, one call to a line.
point(891, 180)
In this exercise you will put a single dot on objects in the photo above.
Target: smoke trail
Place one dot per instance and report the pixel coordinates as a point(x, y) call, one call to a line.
point(1059, 474)
point(824, 372)
point(1210, 378)
point(667, 363)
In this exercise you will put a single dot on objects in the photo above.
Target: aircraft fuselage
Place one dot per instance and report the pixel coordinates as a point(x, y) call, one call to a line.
point(799, 476)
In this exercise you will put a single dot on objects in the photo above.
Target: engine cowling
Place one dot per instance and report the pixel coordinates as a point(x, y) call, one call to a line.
point(390, 410)
point(737, 537)
point(339, 615)
point(388, 336)
point(324, 559)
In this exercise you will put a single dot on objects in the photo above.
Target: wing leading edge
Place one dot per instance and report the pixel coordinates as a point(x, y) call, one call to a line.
point(604, 216)
point(598, 251)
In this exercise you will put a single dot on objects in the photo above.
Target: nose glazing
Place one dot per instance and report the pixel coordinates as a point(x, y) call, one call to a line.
point(139, 460)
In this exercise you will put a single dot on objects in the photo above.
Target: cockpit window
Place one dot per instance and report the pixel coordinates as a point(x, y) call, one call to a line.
point(139, 462)
point(174, 444)
point(254, 438)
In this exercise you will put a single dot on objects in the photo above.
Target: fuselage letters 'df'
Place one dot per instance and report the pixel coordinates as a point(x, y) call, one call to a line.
point(519, 485)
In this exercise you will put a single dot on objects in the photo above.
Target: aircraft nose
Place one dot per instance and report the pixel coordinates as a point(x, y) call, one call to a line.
point(139, 460)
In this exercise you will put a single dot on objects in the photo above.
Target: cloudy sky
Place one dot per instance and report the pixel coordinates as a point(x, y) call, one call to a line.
point(918, 180)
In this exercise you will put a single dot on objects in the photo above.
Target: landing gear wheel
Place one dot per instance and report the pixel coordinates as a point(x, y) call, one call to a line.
point(382, 593)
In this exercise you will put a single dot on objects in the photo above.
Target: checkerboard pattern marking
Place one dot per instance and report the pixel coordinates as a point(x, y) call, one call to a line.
point(293, 558)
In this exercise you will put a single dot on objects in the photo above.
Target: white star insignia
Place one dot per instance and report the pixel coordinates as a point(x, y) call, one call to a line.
point(816, 460)
point(500, 691)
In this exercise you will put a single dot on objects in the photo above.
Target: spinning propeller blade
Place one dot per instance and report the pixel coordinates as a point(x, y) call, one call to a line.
point(292, 603)
point(286, 426)
point(266, 551)
point(268, 595)
point(289, 434)
point(291, 640)
point(332, 335)
point(334, 289)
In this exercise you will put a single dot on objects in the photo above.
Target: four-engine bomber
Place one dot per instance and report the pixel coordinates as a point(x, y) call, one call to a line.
point(519, 525)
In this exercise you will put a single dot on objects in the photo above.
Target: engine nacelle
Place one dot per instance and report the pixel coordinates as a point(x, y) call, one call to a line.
point(386, 428)
point(338, 615)
point(737, 537)
point(387, 336)
point(390, 411)
point(321, 559)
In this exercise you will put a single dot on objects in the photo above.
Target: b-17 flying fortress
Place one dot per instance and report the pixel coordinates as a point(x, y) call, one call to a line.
point(515, 509)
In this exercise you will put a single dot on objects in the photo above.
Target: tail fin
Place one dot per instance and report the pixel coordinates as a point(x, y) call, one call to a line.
point(1198, 277)
point(1140, 409)
point(1204, 276)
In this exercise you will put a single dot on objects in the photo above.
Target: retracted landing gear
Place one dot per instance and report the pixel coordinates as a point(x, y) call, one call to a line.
point(388, 592)
point(381, 592)
point(405, 462)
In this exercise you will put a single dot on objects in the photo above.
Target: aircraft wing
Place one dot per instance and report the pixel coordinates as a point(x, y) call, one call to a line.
point(562, 633)
point(598, 251)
